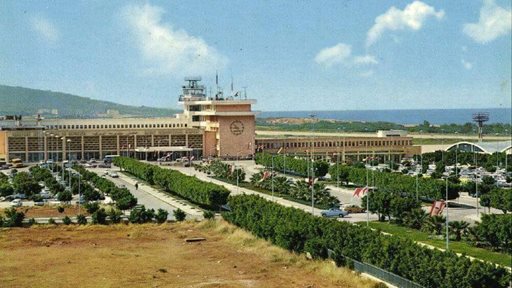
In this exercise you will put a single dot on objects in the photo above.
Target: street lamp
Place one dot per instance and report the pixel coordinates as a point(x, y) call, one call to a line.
point(69, 161)
point(447, 228)
point(312, 166)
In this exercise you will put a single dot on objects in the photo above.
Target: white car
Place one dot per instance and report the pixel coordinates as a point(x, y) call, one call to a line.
point(16, 203)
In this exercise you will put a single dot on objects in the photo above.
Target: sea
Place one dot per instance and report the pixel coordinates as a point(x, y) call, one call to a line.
point(434, 116)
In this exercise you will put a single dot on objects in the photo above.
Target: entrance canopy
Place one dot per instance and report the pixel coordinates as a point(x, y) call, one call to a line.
point(164, 149)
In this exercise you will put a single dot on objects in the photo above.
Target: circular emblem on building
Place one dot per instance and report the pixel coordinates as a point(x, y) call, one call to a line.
point(236, 127)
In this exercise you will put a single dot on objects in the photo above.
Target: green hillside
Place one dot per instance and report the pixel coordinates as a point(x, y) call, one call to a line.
point(25, 101)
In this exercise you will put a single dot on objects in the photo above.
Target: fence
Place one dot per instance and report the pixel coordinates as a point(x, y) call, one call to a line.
point(380, 273)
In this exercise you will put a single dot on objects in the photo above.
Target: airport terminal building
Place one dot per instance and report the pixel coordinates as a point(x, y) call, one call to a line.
point(209, 126)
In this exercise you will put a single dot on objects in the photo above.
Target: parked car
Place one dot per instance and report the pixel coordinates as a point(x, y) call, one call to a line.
point(114, 175)
point(334, 212)
point(39, 203)
point(354, 209)
point(104, 165)
point(20, 196)
point(16, 203)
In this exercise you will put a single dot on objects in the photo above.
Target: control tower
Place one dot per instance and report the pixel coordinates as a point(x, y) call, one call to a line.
point(228, 122)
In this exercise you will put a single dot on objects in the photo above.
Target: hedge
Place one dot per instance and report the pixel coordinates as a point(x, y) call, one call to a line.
point(299, 231)
point(188, 187)
point(428, 188)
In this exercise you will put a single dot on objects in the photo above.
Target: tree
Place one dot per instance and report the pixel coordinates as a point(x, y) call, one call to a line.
point(458, 228)
point(24, 183)
point(13, 218)
point(81, 219)
point(65, 196)
point(66, 220)
point(161, 215)
point(92, 207)
point(6, 189)
point(99, 216)
point(179, 215)
point(435, 224)
point(115, 215)
point(415, 218)
point(321, 168)
point(400, 206)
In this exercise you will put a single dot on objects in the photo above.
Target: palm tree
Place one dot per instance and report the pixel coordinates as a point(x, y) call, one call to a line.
point(435, 224)
point(416, 218)
point(458, 228)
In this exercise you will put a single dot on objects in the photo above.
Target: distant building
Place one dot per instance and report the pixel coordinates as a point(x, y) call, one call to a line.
point(482, 147)
point(215, 126)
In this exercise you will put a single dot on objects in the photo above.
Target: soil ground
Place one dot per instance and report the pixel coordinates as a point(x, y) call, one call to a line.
point(49, 211)
point(151, 255)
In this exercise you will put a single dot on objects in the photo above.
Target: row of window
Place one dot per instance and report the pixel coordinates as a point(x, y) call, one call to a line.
point(117, 126)
point(379, 143)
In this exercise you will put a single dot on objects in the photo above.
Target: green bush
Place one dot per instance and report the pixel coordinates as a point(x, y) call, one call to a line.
point(66, 220)
point(161, 216)
point(92, 207)
point(60, 209)
point(81, 219)
point(115, 215)
point(51, 221)
point(189, 187)
point(13, 218)
point(99, 216)
point(300, 232)
point(141, 215)
point(31, 222)
point(208, 214)
point(179, 215)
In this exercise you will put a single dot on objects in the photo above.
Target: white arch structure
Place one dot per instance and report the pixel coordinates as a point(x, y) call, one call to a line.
point(482, 147)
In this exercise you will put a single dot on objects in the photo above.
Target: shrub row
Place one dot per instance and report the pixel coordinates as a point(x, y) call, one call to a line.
point(188, 187)
point(498, 198)
point(428, 188)
point(299, 231)
point(292, 165)
point(123, 197)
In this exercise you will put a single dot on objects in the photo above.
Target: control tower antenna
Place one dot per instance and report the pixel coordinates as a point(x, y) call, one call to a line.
point(480, 118)
point(245, 92)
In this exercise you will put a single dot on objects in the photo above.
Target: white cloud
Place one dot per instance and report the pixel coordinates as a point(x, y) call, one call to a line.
point(494, 22)
point(333, 55)
point(166, 49)
point(412, 17)
point(45, 29)
point(466, 64)
point(365, 60)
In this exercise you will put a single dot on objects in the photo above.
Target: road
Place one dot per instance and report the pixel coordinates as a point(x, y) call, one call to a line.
point(150, 197)
point(287, 203)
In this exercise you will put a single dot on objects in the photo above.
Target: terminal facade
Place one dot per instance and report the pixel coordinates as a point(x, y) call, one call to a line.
point(209, 126)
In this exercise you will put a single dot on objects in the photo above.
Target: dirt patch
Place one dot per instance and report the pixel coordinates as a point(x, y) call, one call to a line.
point(157, 256)
point(49, 211)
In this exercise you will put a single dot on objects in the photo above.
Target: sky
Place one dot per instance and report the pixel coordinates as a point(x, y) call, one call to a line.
point(288, 55)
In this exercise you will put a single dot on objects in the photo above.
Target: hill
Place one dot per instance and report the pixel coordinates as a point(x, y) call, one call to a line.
point(25, 101)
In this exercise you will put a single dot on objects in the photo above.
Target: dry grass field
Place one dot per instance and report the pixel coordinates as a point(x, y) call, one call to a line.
point(153, 255)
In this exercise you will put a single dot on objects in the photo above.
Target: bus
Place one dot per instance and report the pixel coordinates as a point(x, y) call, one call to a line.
point(16, 163)
point(109, 158)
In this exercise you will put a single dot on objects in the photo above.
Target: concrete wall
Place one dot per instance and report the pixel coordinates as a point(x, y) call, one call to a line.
point(232, 144)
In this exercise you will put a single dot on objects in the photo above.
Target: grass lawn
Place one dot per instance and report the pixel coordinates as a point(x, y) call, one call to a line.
point(458, 247)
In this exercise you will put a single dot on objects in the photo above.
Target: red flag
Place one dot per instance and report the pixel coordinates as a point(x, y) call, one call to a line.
point(266, 174)
point(437, 208)
point(360, 190)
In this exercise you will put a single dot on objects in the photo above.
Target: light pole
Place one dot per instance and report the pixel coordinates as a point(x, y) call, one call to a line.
point(69, 161)
point(62, 140)
point(272, 177)
point(313, 166)
point(367, 188)
point(447, 228)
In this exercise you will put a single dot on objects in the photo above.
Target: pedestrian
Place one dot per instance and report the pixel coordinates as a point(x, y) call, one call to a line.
point(137, 186)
